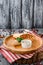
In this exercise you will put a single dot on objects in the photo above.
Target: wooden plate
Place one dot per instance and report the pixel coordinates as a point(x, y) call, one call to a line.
point(36, 43)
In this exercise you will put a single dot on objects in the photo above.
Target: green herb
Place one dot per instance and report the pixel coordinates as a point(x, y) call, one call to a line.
point(19, 39)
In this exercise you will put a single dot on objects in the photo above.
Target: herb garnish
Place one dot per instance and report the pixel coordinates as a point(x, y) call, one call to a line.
point(19, 39)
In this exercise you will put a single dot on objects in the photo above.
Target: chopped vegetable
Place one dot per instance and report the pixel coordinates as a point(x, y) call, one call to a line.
point(19, 39)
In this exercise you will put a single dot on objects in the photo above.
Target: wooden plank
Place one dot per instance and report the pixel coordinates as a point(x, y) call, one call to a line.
point(27, 6)
point(38, 13)
point(3, 61)
point(4, 13)
point(15, 13)
point(1, 40)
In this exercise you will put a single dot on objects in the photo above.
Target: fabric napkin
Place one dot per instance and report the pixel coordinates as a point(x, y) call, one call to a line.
point(13, 57)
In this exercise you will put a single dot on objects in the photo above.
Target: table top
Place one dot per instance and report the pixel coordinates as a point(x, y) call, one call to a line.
point(3, 61)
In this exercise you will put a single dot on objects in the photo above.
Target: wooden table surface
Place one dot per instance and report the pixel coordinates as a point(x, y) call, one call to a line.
point(3, 61)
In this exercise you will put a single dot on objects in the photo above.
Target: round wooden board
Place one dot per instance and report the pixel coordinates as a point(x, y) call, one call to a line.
point(37, 43)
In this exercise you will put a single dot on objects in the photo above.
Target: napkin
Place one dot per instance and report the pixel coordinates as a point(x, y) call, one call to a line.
point(13, 57)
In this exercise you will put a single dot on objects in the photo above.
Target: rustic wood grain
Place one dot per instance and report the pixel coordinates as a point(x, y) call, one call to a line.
point(27, 6)
point(38, 13)
point(3, 61)
point(21, 13)
point(15, 13)
point(4, 13)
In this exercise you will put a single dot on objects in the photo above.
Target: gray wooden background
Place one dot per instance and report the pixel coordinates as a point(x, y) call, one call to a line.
point(21, 14)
